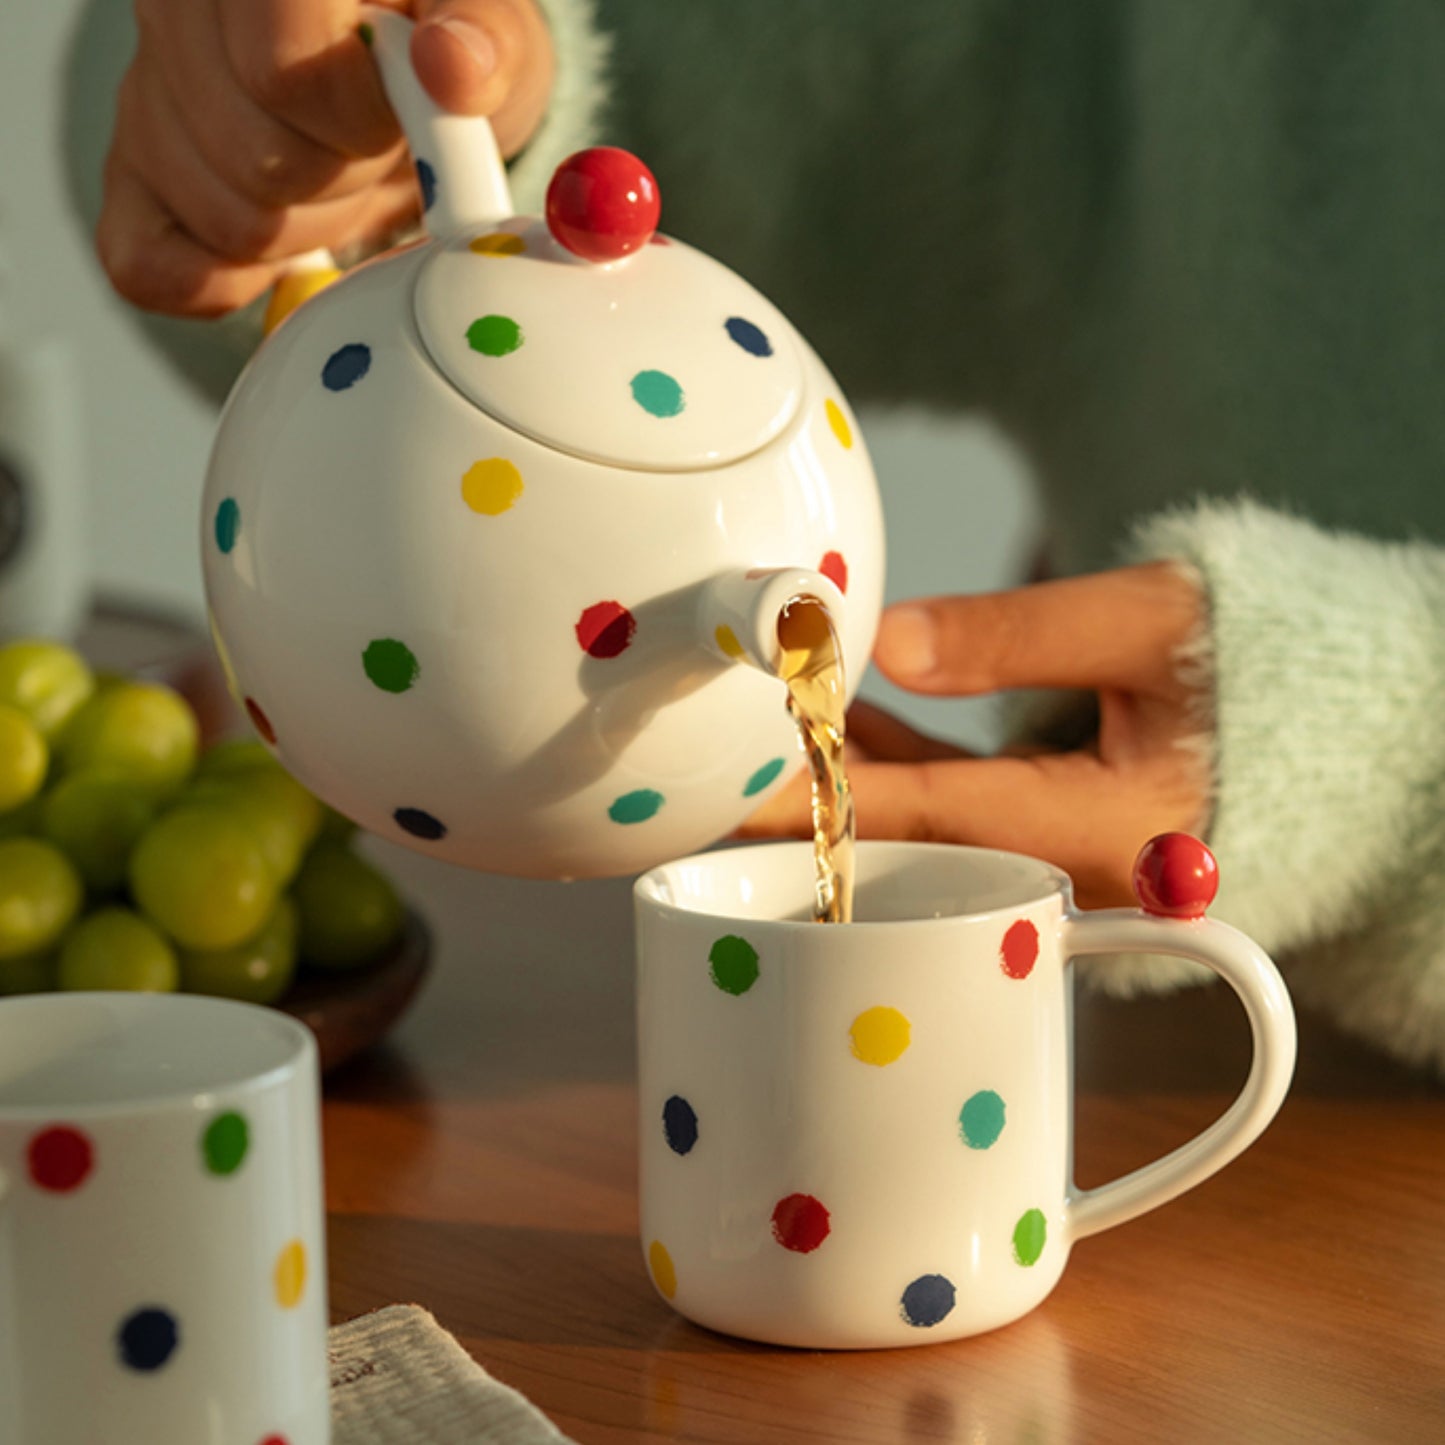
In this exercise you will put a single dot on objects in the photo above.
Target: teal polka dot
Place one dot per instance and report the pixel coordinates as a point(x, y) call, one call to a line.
point(764, 775)
point(494, 335)
point(635, 807)
point(228, 523)
point(981, 1119)
point(657, 392)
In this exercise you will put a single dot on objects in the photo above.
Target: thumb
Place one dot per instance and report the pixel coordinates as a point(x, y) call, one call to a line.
point(470, 54)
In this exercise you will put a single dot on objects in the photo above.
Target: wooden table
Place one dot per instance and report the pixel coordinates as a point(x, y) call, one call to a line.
point(482, 1163)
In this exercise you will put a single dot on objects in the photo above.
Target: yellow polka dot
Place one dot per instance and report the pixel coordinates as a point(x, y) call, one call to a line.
point(491, 486)
point(499, 243)
point(291, 290)
point(664, 1276)
point(838, 422)
point(880, 1035)
point(727, 641)
point(290, 1275)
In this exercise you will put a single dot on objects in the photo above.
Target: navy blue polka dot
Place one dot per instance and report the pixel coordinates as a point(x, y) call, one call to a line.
point(346, 367)
point(928, 1299)
point(427, 179)
point(419, 823)
point(751, 338)
point(148, 1338)
point(679, 1123)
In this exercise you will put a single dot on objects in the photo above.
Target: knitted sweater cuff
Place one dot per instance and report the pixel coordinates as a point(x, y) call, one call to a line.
point(1328, 658)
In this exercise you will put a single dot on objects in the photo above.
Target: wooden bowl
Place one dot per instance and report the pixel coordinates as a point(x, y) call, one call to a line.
point(351, 1010)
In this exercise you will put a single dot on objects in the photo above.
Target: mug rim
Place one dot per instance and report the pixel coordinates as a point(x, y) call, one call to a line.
point(302, 1045)
point(1052, 882)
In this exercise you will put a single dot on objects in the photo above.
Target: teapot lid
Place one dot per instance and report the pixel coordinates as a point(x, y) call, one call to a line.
point(593, 335)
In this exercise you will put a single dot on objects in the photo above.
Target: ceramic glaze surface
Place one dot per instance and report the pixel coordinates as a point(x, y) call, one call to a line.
point(489, 528)
point(664, 360)
point(493, 649)
point(162, 1246)
point(859, 1135)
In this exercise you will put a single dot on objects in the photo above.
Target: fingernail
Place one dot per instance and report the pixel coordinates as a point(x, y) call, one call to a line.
point(477, 41)
point(907, 640)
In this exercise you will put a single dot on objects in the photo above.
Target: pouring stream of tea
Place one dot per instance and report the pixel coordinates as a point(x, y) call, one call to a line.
point(812, 667)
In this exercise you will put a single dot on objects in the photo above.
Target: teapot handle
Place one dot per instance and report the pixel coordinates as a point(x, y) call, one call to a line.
point(463, 182)
point(459, 169)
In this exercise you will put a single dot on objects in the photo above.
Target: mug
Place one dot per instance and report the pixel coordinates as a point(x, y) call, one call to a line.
point(162, 1251)
point(860, 1135)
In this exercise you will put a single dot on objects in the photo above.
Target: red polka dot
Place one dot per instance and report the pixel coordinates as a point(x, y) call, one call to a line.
point(835, 569)
point(800, 1223)
point(60, 1158)
point(605, 629)
point(275, 1440)
point(260, 721)
point(1020, 949)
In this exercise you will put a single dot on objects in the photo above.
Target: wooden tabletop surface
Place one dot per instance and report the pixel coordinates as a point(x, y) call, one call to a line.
point(482, 1163)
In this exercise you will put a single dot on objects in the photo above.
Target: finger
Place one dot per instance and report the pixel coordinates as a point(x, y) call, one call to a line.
point(1111, 629)
point(153, 264)
point(1069, 808)
point(306, 65)
point(486, 57)
point(259, 156)
point(881, 735)
point(164, 154)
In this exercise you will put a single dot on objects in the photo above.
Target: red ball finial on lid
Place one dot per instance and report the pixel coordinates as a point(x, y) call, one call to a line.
point(603, 204)
point(1175, 875)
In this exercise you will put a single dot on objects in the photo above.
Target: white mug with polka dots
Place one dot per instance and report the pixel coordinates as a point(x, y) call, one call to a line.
point(162, 1277)
point(860, 1135)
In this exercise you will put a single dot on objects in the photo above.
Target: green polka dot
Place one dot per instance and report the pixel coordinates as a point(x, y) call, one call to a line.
point(980, 1121)
point(366, 34)
point(657, 392)
point(734, 964)
point(636, 807)
point(225, 1142)
point(494, 335)
point(764, 775)
point(390, 664)
point(1029, 1235)
point(228, 524)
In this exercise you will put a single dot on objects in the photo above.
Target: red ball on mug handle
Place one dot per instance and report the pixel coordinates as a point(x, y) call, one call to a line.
point(1175, 876)
point(603, 204)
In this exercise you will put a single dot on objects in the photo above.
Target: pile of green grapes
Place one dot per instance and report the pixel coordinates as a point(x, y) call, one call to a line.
point(129, 859)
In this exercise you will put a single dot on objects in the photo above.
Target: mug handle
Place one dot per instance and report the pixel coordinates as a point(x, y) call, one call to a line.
point(1169, 866)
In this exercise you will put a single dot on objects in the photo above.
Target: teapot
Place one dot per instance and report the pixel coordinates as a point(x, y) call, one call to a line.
point(499, 526)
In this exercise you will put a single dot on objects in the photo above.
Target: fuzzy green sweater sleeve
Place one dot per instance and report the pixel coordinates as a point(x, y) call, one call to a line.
point(1327, 653)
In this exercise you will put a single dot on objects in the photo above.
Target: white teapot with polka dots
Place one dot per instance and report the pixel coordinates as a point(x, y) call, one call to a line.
point(491, 522)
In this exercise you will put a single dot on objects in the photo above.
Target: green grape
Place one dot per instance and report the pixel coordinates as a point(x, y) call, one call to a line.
point(258, 970)
point(39, 895)
point(25, 819)
point(23, 758)
point(47, 682)
point(28, 973)
point(348, 911)
point(143, 730)
point(96, 818)
point(114, 948)
point(234, 755)
point(336, 827)
point(200, 874)
point(284, 817)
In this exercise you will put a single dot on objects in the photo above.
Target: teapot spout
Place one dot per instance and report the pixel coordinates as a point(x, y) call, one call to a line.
point(739, 611)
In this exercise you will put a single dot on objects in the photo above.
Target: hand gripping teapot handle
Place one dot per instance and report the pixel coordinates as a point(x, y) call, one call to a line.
point(463, 182)
point(458, 166)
